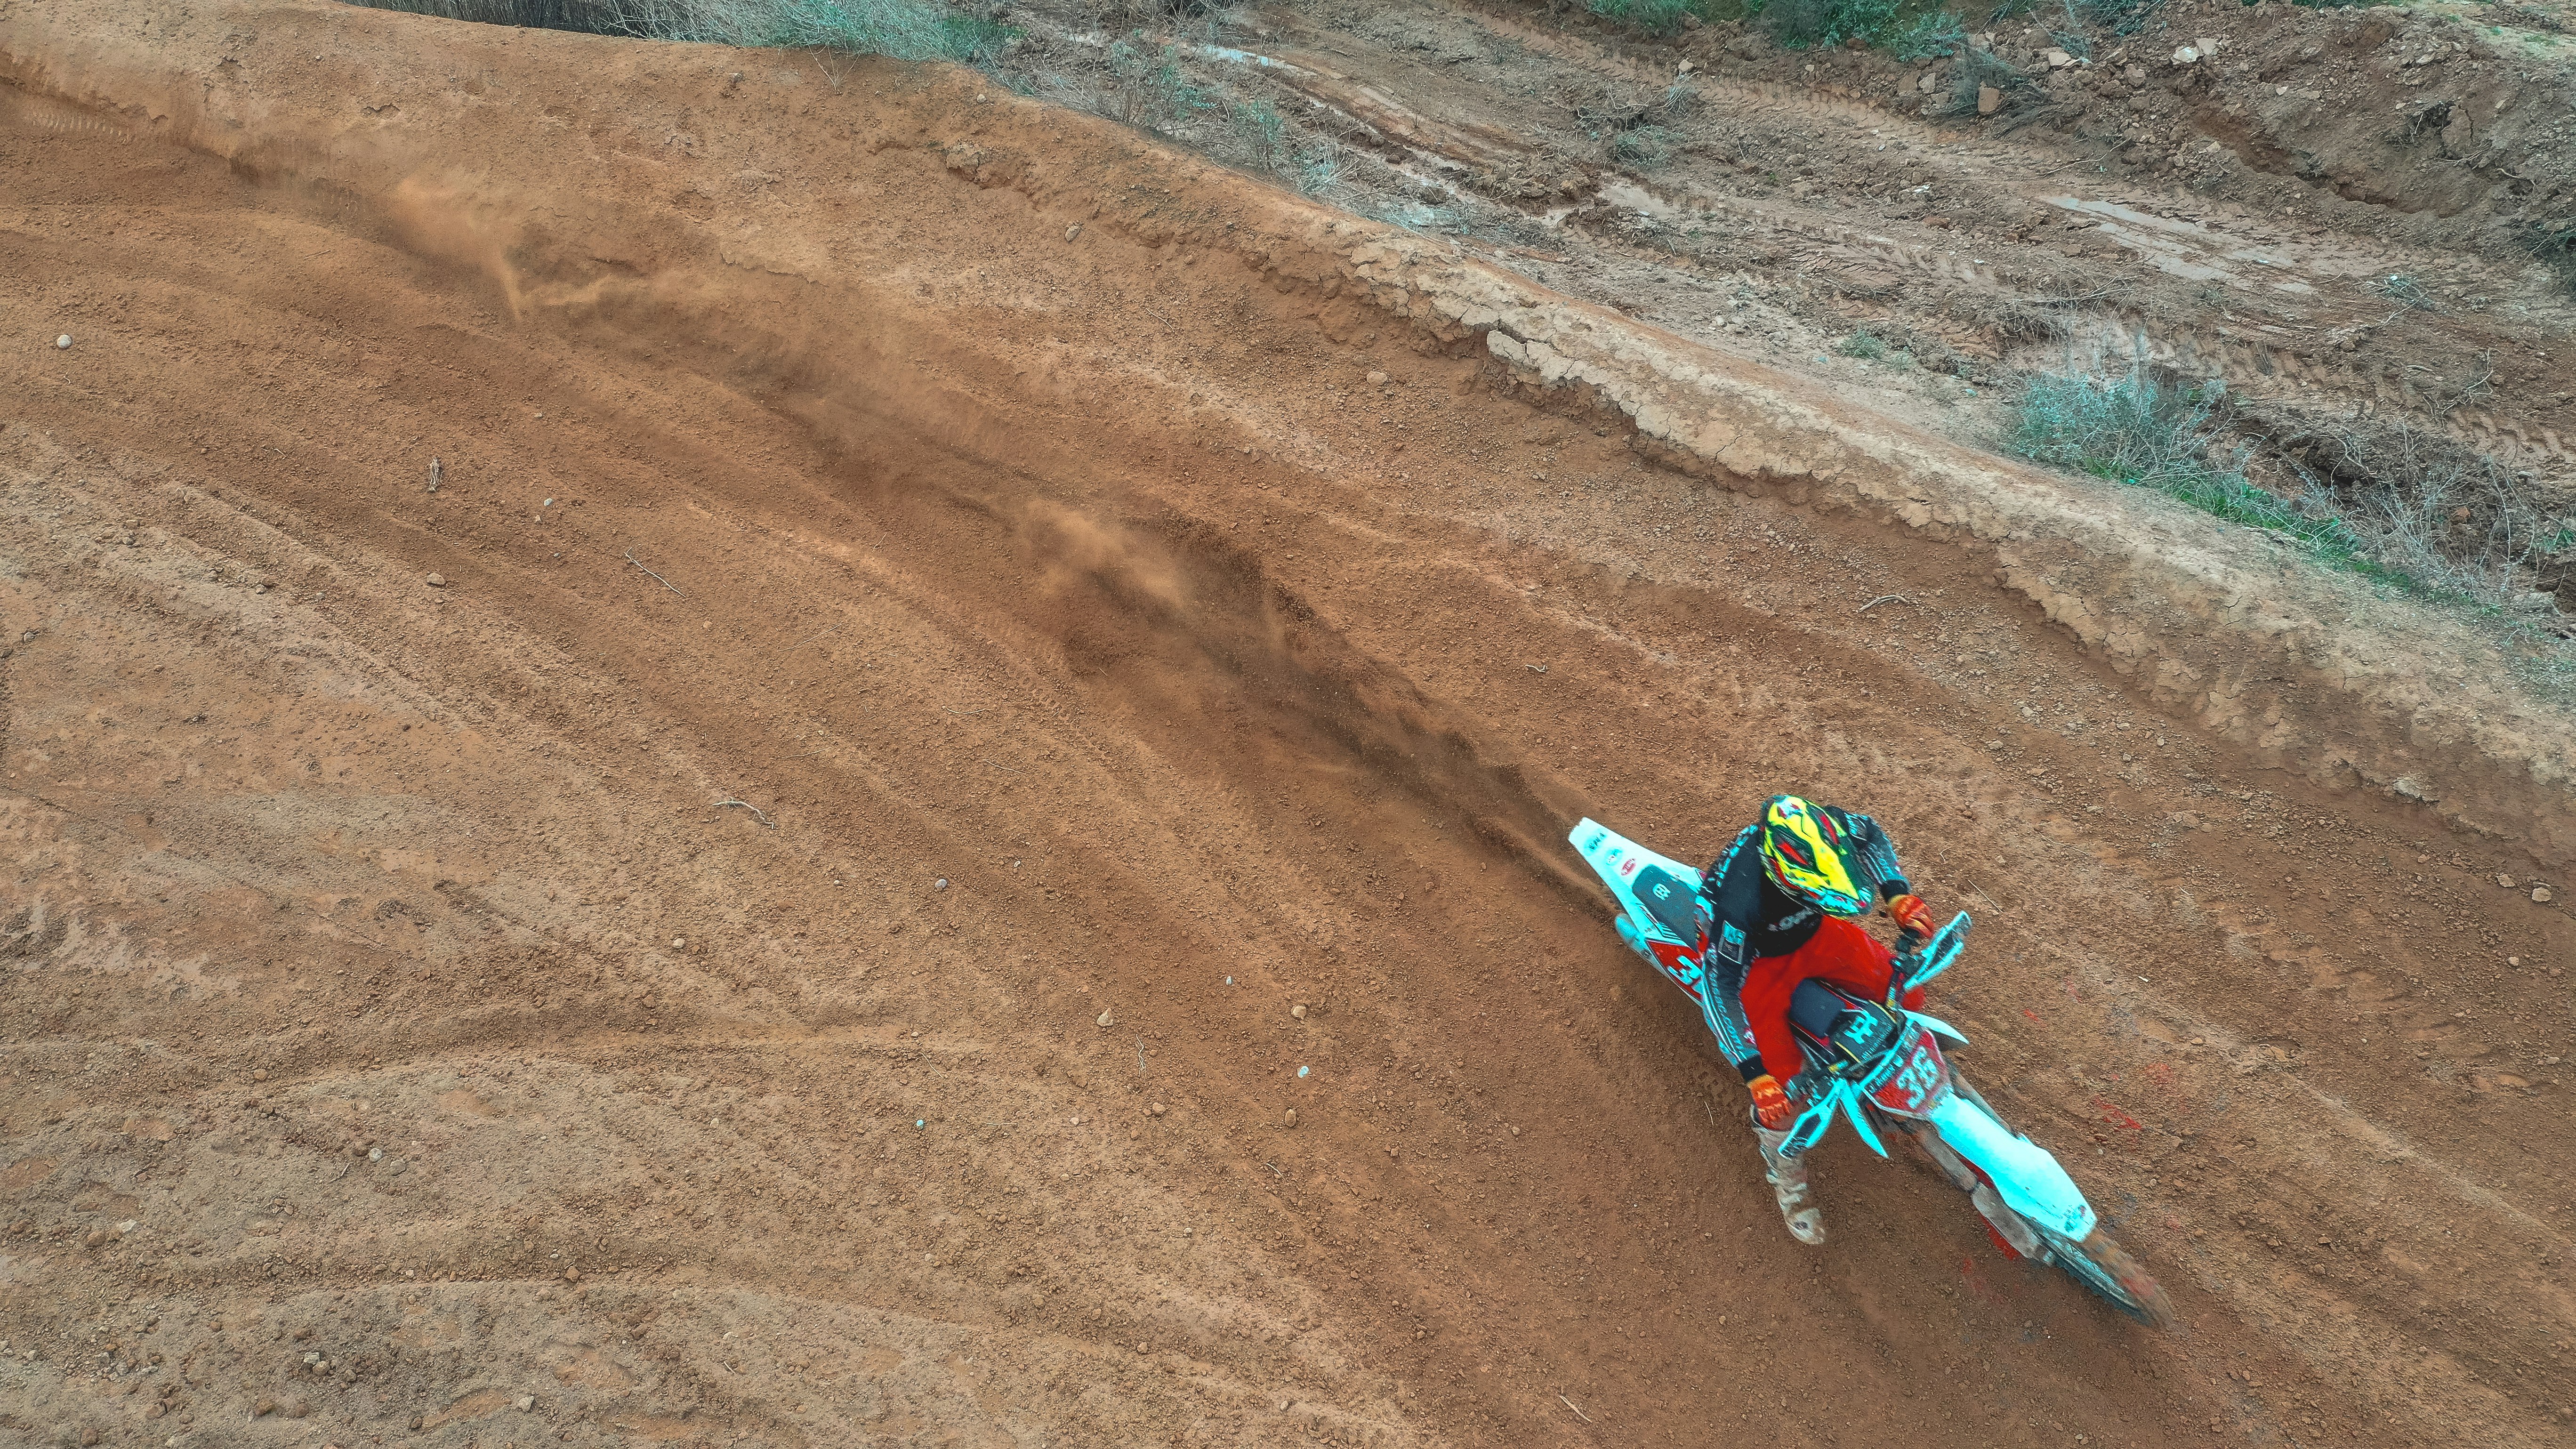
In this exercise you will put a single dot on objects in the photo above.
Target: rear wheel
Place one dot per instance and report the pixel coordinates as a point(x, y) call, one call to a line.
point(2114, 1276)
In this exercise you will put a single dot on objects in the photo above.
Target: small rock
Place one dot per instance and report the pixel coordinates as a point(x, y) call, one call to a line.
point(63, 341)
point(1298, 1011)
point(679, 943)
point(259, 1074)
point(1989, 100)
point(375, 1154)
point(2186, 55)
point(1941, 221)
point(2506, 881)
point(2134, 74)
point(1105, 1019)
point(1073, 231)
point(98, 1238)
point(1377, 379)
point(263, 1408)
point(940, 884)
point(1291, 1120)
point(2540, 896)
point(298, 1408)
point(1156, 1109)
point(1688, 66)
point(524, 1403)
point(2058, 59)
point(436, 581)
point(2513, 961)
point(572, 1275)
point(1516, 1132)
point(2207, 45)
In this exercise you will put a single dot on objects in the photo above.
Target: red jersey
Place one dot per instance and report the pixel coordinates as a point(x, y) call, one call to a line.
point(1840, 952)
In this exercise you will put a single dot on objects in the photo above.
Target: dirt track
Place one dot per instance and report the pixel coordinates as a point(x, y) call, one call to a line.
point(1096, 639)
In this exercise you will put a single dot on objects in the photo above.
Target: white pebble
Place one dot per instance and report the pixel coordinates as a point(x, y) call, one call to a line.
point(63, 341)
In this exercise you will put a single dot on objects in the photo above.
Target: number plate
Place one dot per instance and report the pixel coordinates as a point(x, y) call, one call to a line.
point(1915, 1077)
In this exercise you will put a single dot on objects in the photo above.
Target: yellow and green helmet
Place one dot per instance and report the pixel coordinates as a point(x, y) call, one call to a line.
point(1807, 853)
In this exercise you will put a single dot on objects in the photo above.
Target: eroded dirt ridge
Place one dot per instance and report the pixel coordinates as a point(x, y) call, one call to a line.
point(837, 986)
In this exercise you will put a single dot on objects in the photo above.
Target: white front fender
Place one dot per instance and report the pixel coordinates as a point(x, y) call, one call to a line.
point(2029, 1180)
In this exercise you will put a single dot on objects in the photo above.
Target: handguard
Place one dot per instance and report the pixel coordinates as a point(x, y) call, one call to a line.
point(1812, 1125)
point(1935, 958)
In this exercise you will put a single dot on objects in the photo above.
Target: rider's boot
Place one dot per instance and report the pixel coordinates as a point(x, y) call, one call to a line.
point(1790, 1187)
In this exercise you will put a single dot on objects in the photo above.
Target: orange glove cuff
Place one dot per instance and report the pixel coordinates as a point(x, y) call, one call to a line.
point(1770, 1102)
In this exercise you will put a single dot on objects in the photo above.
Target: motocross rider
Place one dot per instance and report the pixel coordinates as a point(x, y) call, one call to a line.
point(1782, 902)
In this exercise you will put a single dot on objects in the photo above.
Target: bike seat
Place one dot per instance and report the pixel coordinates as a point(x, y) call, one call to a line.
point(1814, 1007)
point(1672, 903)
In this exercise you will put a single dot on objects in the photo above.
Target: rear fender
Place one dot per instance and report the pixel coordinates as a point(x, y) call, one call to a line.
point(2025, 1176)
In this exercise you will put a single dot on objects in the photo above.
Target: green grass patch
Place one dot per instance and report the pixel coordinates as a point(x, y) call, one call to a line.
point(2409, 530)
point(2149, 434)
point(1643, 148)
point(903, 29)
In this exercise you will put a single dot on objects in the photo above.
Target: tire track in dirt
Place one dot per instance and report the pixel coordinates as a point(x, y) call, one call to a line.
point(1511, 1145)
point(1999, 195)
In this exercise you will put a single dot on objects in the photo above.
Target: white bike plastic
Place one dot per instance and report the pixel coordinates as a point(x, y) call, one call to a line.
point(2030, 1181)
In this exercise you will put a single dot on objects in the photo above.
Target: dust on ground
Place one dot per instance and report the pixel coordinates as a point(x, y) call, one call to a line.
point(792, 937)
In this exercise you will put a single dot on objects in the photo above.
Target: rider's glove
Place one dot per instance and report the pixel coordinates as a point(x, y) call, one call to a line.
point(1911, 915)
point(1770, 1102)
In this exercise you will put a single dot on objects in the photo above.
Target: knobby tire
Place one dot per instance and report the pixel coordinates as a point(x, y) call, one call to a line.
point(2114, 1276)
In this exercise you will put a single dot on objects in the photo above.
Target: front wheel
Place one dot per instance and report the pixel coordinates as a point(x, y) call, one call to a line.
point(2114, 1276)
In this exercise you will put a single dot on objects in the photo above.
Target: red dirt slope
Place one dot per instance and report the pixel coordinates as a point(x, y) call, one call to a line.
point(835, 987)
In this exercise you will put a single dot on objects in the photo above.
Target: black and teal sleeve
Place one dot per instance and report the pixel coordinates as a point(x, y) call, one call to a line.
point(1877, 856)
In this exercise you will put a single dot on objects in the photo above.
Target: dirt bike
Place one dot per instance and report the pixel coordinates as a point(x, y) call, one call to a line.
point(1879, 1066)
